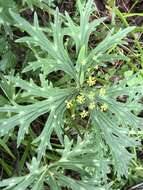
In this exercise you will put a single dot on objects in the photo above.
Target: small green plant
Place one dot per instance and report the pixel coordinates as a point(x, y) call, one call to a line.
point(79, 103)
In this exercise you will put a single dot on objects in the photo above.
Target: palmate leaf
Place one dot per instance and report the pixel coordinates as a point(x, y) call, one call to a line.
point(39, 175)
point(40, 39)
point(122, 112)
point(22, 183)
point(118, 141)
point(114, 39)
point(58, 56)
point(25, 115)
point(131, 88)
point(83, 154)
point(115, 124)
point(106, 44)
point(81, 33)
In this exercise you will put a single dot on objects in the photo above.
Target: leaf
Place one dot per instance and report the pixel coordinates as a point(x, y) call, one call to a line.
point(26, 181)
point(6, 148)
point(8, 61)
point(108, 42)
point(40, 39)
point(54, 122)
point(76, 185)
point(115, 124)
point(80, 65)
point(55, 103)
point(5, 18)
point(46, 65)
point(114, 138)
point(32, 89)
point(7, 88)
point(38, 3)
point(81, 33)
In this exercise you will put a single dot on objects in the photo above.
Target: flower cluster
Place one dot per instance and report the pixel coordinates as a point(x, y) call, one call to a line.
point(84, 114)
point(80, 99)
point(69, 104)
point(91, 81)
point(104, 107)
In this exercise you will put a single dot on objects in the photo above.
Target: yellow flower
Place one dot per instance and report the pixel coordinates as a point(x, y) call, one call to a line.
point(80, 99)
point(91, 81)
point(83, 114)
point(104, 107)
point(73, 116)
point(69, 104)
point(102, 91)
point(91, 106)
point(83, 62)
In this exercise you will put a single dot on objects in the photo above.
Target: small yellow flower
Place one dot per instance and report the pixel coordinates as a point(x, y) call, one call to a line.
point(91, 81)
point(92, 106)
point(83, 114)
point(73, 116)
point(104, 107)
point(69, 104)
point(102, 91)
point(83, 62)
point(80, 99)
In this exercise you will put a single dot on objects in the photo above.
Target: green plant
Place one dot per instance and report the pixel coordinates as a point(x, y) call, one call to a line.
point(77, 102)
point(43, 4)
point(5, 18)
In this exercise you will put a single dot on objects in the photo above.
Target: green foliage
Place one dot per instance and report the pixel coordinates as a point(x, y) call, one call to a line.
point(51, 175)
point(43, 4)
point(105, 143)
point(5, 18)
point(8, 60)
